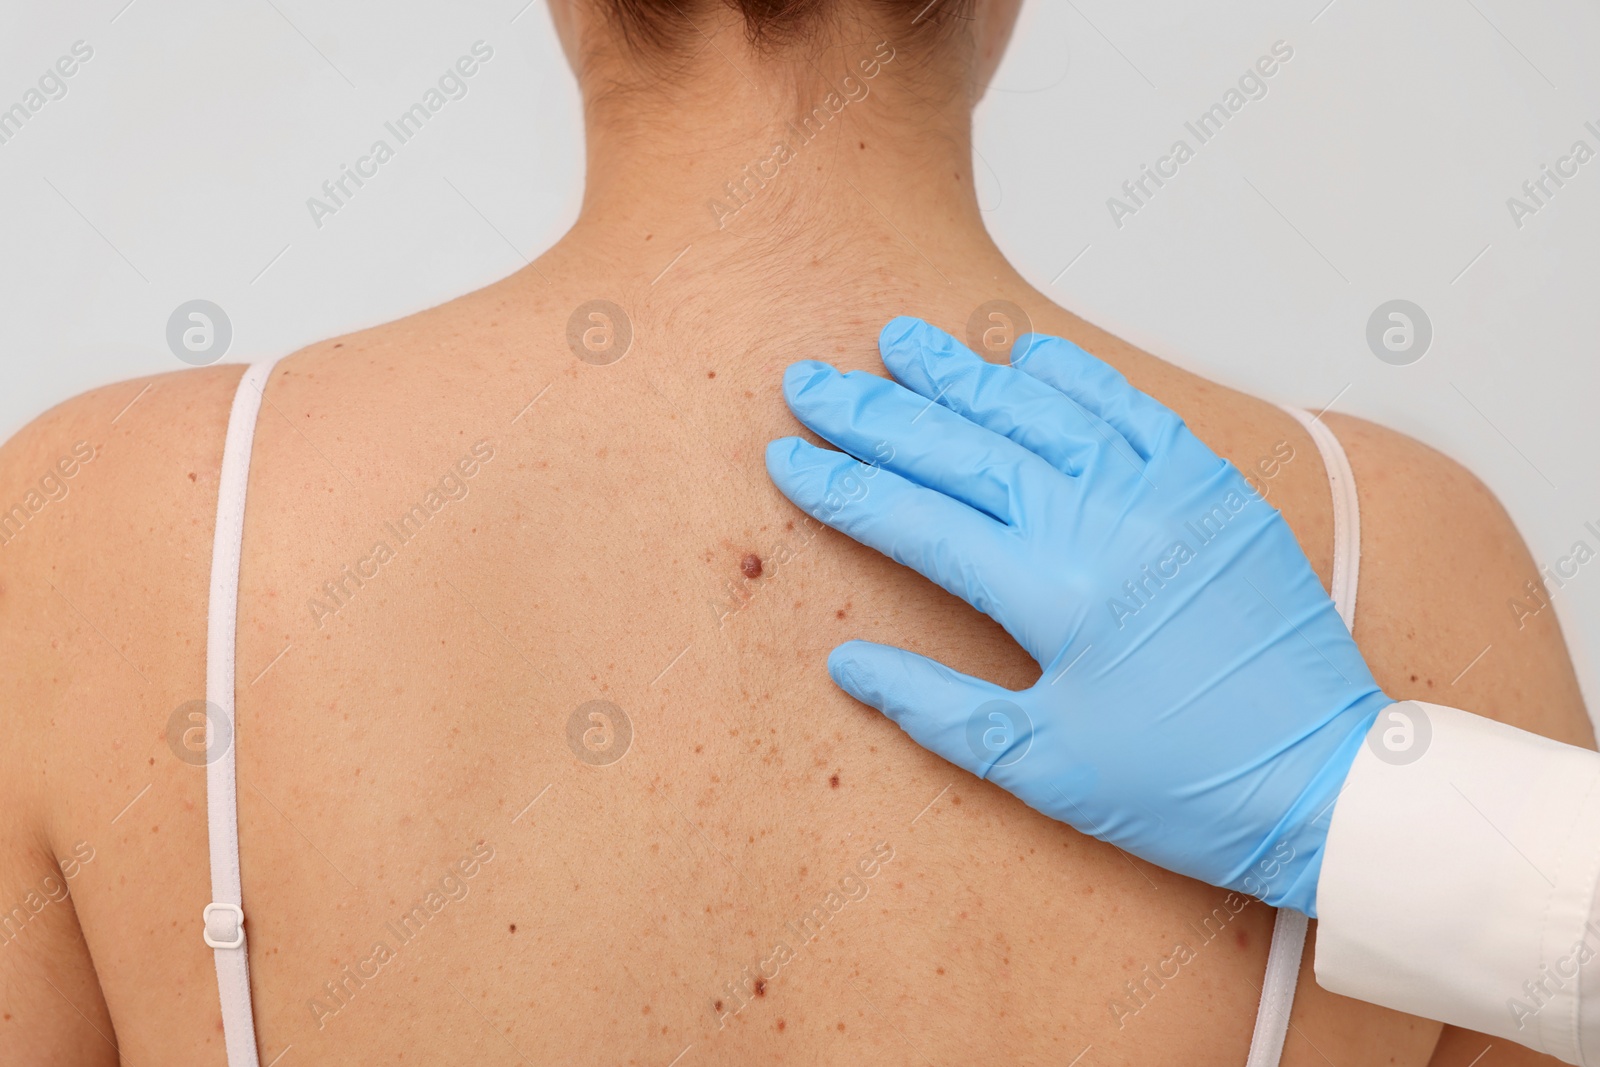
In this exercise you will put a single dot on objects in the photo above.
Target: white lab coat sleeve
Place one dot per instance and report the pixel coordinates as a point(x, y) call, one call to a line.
point(1459, 878)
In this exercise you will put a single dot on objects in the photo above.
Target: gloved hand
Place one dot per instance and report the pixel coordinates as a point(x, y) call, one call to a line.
point(1201, 701)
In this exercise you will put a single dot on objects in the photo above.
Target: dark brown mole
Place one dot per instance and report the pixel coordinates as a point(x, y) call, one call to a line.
point(834, 781)
point(750, 566)
point(761, 987)
point(717, 1005)
point(711, 374)
point(513, 927)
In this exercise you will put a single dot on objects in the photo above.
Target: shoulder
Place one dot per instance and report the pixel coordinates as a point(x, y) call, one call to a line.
point(123, 450)
point(1452, 608)
point(136, 430)
point(105, 520)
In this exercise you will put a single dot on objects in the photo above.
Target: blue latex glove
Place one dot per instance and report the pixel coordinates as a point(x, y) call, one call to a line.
point(1201, 700)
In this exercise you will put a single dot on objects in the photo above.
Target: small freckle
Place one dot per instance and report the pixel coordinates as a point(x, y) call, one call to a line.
point(956, 800)
point(152, 761)
point(833, 781)
point(155, 829)
point(938, 970)
point(749, 395)
point(781, 1025)
point(699, 748)
point(646, 1009)
point(191, 476)
point(711, 374)
point(750, 566)
point(841, 1028)
point(761, 987)
point(839, 614)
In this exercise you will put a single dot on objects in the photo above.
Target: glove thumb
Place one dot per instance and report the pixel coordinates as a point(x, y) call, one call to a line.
point(970, 722)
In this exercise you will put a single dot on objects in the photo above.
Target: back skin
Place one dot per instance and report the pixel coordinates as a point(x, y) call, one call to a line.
point(417, 727)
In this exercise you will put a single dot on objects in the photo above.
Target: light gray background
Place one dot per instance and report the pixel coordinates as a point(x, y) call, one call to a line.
point(1378, 166)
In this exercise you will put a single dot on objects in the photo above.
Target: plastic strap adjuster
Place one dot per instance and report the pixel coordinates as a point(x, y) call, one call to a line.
point(233, 925)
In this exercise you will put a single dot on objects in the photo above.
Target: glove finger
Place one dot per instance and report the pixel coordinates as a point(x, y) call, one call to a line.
point(878, 420)
point(1145, 422)
point(961, 550)
point(1002, 399)
point(970, 722)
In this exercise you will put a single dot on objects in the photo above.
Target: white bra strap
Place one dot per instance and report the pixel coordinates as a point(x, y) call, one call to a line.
point(1289, 929)
point(1346, 516)
point(223, 919)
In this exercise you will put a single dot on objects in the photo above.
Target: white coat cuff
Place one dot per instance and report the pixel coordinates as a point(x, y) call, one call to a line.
point(1458, 882)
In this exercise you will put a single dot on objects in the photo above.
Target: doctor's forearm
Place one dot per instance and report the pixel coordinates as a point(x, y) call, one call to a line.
point(1459, 879)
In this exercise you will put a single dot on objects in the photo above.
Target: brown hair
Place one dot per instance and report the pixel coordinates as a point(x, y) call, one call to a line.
point(669, 25)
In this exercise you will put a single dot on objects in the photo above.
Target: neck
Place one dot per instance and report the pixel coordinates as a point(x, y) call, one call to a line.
point(855, 173)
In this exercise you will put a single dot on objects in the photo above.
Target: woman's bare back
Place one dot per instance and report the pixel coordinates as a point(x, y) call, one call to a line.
point(538, 761)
